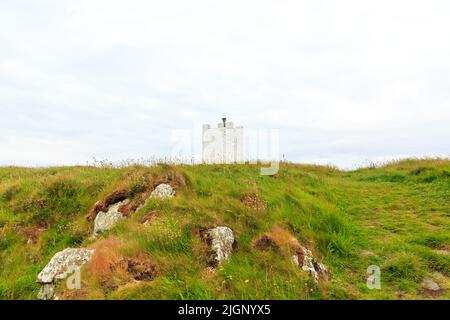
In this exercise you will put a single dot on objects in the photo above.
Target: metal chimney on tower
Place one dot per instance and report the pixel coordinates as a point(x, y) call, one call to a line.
point(224, 120)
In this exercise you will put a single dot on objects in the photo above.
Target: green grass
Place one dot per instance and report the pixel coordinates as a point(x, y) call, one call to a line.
point(398, 212)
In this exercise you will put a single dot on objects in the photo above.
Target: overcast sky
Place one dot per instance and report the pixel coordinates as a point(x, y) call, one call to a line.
point(344, 82)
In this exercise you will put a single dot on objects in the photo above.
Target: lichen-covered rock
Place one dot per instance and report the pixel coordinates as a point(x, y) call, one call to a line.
point(106, 220)
point(322, 270)
point(47, 291)
point(305, 260)
point(59, 268)
point(163, 191)
point(221, 241)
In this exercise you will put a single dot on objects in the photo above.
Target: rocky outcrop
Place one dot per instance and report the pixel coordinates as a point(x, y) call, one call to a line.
point(103, 205)
point(106, 220)
point(280, 240)
point(305, 260)
point(221, 242)
point(163, 191)
point(118, 204)
point(110, 214)
point(59, 268)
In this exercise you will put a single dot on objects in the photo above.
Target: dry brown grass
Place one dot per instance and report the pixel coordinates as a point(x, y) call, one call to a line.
point(174, 178)
point(284, 240)
point(32, 233)
point(107, 254)
point(141, 267)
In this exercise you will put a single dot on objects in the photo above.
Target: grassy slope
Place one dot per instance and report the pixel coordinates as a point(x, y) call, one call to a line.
point(399, 212)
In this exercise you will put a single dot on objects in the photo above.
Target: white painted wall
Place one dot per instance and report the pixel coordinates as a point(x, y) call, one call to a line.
point(223, 144)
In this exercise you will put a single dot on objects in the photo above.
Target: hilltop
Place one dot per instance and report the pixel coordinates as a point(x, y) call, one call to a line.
point(395, 216)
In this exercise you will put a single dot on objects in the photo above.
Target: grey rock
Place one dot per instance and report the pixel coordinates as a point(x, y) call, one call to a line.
point(59, 268)
point(106, 220)
point(163, 191)
point(322, 270)
point(295, 260)
point(308, 266)
point(430, 285)
point(221, 241)
point(304, 259)
point(47, 291)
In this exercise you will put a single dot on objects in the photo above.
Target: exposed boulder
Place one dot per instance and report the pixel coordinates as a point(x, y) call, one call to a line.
point(164, 186)
point(59, 268)
point(163, 191)
point(221, 242)
point(106, 220)
point(429, 284)
point(305, 260)
point(286, 244)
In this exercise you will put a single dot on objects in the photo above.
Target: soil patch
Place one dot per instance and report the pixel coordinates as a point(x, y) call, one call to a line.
point(102, 205)
point(253, 201)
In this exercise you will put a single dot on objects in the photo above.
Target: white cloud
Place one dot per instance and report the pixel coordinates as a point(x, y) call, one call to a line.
point(344, 81)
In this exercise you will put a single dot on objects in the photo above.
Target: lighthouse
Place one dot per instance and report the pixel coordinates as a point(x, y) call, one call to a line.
point(224, 144)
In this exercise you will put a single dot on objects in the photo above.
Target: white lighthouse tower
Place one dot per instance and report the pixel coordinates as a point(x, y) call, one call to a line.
point(224, 144)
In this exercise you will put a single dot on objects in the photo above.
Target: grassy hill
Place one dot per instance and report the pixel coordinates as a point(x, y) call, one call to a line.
point(395, 216)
